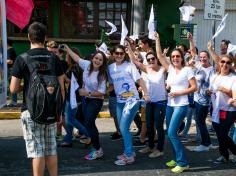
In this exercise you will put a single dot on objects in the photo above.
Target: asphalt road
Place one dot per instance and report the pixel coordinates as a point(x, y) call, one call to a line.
point(13, 159)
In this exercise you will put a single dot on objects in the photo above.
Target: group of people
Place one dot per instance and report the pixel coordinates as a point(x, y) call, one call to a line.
point(164, 88)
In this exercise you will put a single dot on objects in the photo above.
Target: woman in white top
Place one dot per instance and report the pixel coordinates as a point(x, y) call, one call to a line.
point(94, 78)
point(224, 114)
point(123, 76)
point(204, 70)
point(154, 77)
point(181, 82)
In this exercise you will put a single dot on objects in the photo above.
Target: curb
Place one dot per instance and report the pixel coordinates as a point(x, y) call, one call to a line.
point(16, 115)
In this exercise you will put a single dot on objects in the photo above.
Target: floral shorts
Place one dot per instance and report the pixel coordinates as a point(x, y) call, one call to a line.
point(40, 139)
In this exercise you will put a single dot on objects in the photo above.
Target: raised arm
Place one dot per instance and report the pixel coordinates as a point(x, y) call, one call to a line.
point(215, 57)
point(162, 58)
point(72, 54)
point(133, 59)
point(191, 44)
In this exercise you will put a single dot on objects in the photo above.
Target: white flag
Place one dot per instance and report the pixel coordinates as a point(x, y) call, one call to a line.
point(124, 31)
point(151, 25)
point(220, 27)
point(73, 87)
point(134, 37)
point(113, 28)
point(231, 49)
point(187, 13)
point(103, 48)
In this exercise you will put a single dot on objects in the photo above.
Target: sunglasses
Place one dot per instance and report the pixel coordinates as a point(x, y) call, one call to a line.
point(177, 56)
point(225, 62)
point(119, 53)
point(149, 59)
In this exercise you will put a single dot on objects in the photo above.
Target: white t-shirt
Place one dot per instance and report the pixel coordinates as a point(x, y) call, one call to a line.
point(220, 99)
point(202, 76)
point(179, 82)
point(123, 77)
point(91, 81)
point(155, 82)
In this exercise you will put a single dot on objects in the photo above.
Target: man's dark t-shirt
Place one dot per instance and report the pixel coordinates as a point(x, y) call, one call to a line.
point(11, 55)
point(21, 71)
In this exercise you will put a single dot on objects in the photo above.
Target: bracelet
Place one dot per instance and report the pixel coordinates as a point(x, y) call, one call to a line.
point(145, 95)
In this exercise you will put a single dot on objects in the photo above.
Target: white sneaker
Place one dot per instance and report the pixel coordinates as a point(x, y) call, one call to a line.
point(156, 153)
point(146, 150)
point(201, 148)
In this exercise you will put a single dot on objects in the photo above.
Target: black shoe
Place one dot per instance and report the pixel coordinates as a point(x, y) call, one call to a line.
point(116, 136)
point(138, 143)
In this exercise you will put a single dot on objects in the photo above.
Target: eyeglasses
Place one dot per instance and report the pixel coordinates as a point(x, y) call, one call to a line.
point(177, 56)
point(225, 62)
point(119, 53)
point(149, 59)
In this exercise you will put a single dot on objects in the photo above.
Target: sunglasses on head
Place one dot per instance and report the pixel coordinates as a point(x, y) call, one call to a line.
point(119, 53)
point(177, 56)
point(225, 62)
point(149, 59)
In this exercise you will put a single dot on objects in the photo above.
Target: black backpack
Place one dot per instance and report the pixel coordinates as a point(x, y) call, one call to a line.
point(43, 98)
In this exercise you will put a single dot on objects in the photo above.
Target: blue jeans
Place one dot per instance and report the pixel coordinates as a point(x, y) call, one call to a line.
point(174, 118)
point(125, 118)
point(155, 114)
point(234, 135)
point(92, 106)
point(72, 122)
point(201, 115)
point(188, 121)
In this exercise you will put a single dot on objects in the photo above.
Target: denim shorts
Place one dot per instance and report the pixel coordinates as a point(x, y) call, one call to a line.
point(40, 140)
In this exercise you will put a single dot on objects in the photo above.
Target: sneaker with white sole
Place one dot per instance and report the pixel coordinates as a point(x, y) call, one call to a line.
point(146, 150)
point(156, 153)
point(124, 160)
point(94, 154)
point(122, 155)
point(201, 148)
point(220, 160)
point(180, 169)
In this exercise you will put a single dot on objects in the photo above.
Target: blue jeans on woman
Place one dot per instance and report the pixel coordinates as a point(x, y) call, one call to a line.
point(201, 115)
point(92, 106)
point(155, 115)
point(174, 117)
point(72, 122)
point(125, 117)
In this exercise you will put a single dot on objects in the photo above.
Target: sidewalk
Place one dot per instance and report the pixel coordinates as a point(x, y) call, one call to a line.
point(14, 112)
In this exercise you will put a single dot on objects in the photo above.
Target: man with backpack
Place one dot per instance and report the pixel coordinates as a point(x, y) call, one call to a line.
point(43, 95)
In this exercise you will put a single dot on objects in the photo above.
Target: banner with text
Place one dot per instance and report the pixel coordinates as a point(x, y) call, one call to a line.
point(214, 9)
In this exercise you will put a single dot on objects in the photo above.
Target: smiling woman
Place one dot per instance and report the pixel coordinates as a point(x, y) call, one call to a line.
point(94, 79)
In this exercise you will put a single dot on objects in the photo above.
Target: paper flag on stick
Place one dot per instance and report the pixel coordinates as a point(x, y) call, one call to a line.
point(231, 49)
point(124, 31)
point(187, 12)
point(220, 27)
point(113, 28)
point(151, 25)
point(103, 48)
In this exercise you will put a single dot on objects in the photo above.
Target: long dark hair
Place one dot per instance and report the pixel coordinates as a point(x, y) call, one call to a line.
point(120, 47)
point(181, 54)
point(154, 54)
point(102, 74)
